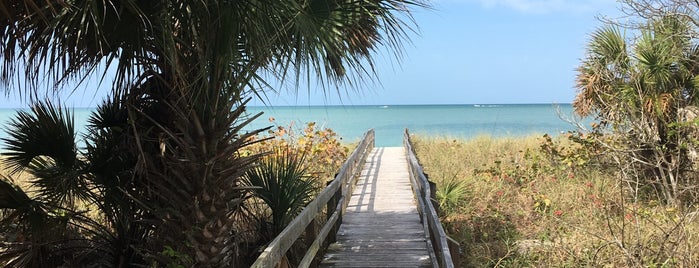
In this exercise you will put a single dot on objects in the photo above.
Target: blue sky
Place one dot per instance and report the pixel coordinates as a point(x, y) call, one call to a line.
point(466, 52)
point(482, 51)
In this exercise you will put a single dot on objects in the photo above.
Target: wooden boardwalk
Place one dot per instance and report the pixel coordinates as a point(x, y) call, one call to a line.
point(381, 227)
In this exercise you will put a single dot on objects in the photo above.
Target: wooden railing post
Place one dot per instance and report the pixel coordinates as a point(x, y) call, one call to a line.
point(433, 195)
point(331, 208)
point(425, 194)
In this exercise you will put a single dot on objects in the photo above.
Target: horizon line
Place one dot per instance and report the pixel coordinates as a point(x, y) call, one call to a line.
point(359, 105)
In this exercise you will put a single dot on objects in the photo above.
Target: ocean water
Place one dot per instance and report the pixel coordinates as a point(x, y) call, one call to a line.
point(389, 121)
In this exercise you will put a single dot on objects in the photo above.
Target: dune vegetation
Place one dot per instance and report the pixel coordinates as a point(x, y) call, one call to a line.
point(547, 202)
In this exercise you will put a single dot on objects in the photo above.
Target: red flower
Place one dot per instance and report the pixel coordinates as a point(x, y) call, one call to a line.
point(558, 213)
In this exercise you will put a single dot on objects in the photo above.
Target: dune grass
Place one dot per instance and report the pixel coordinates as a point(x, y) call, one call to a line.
point(510, 202)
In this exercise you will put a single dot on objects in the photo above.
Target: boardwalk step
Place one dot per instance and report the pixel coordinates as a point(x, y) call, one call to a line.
point(368, 260)
point(377, 245)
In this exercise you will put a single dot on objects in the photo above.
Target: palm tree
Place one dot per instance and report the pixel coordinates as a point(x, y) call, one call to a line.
point(183, 70)
point(638, 90)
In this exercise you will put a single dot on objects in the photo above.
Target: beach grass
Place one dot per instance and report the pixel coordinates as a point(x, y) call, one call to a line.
point(509, 203)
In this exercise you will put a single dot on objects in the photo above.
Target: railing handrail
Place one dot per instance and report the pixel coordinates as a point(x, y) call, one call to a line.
point(335, 197)
point(428, 214)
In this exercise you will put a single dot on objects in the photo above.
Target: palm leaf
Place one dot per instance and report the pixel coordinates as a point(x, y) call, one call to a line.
point(608, 49)
point(43, 143)
point(46, 131)
point(281, 181)
point(451, 195)
point(11, 196)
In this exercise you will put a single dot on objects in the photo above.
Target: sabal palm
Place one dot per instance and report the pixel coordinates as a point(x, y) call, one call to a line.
point(183, 69)
point(652, 76)
point(639, 89)
point(281, 180)
point(68, 183)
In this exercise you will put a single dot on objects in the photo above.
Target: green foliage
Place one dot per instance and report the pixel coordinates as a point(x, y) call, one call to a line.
point(116, 204)
point(560, 212)
point(642, 91)
point(450, 195)
point(179, 260)
point(281, 181)
point(297, 165)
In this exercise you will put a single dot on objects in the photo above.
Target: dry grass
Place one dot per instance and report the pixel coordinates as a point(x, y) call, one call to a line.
point(520, 207)
point(20, 179)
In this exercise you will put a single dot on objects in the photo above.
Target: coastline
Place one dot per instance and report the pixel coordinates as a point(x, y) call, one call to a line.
point(389, 121)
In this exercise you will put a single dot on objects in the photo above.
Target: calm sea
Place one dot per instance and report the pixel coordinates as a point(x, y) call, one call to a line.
point(454, 121)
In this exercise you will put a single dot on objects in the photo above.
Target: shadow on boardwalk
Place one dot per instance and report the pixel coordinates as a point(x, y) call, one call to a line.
point(381, 227)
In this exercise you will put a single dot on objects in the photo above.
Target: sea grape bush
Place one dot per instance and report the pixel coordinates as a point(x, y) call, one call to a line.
point(324, 153)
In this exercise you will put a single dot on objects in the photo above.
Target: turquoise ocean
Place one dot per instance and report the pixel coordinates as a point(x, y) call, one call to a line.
point(389, 121)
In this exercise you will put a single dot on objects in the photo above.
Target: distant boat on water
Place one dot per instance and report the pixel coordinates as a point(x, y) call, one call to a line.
point(487, 106)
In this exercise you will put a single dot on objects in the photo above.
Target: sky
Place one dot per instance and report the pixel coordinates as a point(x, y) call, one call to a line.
point(464, 52)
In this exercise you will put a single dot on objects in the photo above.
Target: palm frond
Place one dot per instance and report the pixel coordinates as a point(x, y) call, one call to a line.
point(280, 180)
point(57, 42)
point(46, 131)
point(335, 39)
point(11, 196)
point(656, 57)
point(608, 48)
point(451, 194)
point(43, 143)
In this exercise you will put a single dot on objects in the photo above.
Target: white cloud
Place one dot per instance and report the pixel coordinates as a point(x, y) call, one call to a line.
point(548, 6)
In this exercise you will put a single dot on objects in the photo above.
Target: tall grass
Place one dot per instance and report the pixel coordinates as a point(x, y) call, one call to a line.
point(543, 202)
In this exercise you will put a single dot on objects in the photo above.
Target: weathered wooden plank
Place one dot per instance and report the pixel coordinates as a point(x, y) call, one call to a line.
point(363, 260)
point(381, 226)
point(378, 245)
point(400, 255)
point(383, 232)
point(377, 264)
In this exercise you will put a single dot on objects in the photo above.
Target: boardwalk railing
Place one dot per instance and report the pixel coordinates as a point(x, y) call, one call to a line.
point(438, 241)
point(334, 198)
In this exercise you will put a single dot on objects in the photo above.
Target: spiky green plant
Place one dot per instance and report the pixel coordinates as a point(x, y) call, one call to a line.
point(282, 182)
point(451, 195)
